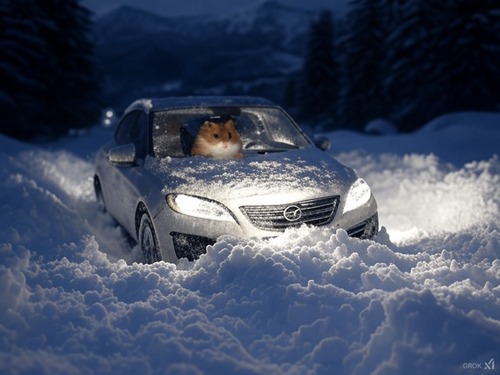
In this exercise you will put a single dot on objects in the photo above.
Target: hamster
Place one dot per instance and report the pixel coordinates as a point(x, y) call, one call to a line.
point(218, 141)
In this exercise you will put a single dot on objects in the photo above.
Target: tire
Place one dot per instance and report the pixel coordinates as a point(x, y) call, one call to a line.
point(147, 239)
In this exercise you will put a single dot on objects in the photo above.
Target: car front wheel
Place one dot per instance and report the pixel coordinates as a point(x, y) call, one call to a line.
point(148, 240)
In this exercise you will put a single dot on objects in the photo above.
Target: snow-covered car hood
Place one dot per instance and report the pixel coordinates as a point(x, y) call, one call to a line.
point(309, 172)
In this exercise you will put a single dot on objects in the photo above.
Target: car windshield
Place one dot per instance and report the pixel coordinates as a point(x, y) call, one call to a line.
point(261, 129)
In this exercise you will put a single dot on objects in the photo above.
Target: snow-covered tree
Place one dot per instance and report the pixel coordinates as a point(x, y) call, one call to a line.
point(320, 87)
point(48, 80)
point(443, 56)
point(410, 60)
point(20, 83)
point(468, 50)
point(362, 97)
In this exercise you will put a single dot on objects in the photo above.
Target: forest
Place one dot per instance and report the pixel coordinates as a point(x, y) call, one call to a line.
point(49, 84)
point(403, 61)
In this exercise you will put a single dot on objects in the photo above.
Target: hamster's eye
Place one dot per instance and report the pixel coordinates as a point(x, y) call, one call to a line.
point(216, 135)
point(230, 135)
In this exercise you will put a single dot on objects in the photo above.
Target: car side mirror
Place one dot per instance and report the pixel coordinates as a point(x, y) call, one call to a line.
point(322, 142)
point(123, 155)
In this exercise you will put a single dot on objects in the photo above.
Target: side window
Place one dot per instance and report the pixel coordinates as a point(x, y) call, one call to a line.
point(133, 129)
point(166, 137)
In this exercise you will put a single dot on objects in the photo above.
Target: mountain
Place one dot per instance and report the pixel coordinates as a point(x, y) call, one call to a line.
point(250, 52)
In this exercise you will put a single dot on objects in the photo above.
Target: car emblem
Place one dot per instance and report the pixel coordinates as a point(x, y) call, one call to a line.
point(292, 213)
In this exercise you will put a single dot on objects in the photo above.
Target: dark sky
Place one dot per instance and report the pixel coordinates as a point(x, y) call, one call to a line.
point(212, 7)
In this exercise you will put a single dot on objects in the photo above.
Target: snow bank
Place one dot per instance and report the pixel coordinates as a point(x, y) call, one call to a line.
point(455, 139)
point(422, 298)
point(423, 197)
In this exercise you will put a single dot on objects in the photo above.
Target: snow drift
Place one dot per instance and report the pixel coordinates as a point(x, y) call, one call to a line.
point(422, 297)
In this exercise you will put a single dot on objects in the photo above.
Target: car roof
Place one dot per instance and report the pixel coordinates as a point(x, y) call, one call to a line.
point(159, 104)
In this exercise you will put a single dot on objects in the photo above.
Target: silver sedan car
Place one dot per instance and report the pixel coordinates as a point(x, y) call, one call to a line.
point(175, 205)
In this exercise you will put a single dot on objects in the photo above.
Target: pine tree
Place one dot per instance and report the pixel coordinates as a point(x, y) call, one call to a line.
point(363, 97)
point(468, 55)
point(412, 61)
point(21, 86)
point(48, 81)
point(320, 87)
point(443, 57)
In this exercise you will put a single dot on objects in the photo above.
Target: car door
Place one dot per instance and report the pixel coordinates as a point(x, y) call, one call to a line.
point(125, 180)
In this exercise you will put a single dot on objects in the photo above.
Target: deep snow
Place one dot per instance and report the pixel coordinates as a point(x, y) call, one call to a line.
point(422, 298)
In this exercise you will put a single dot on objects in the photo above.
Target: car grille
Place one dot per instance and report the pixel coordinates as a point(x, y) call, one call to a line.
point(282, 216)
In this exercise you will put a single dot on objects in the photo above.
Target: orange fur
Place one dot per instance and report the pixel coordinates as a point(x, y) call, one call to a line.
point(218, 140)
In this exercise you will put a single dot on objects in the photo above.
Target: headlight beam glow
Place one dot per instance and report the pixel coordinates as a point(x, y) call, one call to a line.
point(359, 194)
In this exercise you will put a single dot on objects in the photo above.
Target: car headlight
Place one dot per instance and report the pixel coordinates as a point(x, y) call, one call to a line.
point(358, 195)
point(200, 207)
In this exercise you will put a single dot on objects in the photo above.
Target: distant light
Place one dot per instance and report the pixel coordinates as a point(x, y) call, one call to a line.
point(108, 117)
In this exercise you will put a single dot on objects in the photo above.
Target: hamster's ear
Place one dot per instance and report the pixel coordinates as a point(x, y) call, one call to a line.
point(207, 123)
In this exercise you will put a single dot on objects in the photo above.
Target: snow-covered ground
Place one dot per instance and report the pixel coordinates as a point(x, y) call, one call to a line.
point(422, 298)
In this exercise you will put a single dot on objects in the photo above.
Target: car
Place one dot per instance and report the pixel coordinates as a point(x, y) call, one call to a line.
point(174, 204)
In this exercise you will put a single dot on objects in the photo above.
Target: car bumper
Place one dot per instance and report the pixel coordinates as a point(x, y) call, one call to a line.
point(183, 236)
